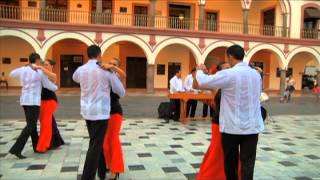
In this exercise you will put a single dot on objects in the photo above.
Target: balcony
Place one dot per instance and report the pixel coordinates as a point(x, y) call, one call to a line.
point(144, 21)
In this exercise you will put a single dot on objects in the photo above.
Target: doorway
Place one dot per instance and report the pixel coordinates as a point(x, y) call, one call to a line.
point(179, 16)
point(268, 22)
point(136, 72)
point(212, 21)
point(69, 64)
point(172, 69)
point(140, 15)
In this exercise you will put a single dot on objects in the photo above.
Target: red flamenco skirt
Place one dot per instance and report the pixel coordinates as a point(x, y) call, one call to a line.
point(212, 167)
point(112, 148)
point(47, 108)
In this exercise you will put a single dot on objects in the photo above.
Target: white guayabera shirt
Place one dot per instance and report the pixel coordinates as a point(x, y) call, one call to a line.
point(240, 86)
point(176, 85)
point(95, 85)
point(32, 82)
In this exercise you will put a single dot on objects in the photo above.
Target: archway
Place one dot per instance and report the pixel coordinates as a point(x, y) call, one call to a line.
point(133, 62)
point(216, 56)
point(304, 67)
point(69, 54)
point(168, 60)
point(14, 53)
point(271, 64)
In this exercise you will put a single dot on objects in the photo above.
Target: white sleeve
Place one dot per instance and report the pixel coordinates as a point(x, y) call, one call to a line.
point(16, 72)
point(173, 86)
point(116, 85)
point(46, 83)
point(76, 76)
point(186, 84)
point(219, 80)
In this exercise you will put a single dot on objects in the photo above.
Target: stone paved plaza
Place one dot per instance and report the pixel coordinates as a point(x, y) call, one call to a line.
point(288, 149)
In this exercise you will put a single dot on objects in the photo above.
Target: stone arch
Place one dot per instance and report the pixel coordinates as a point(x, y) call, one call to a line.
point(213, 46)
point(276, 50)
point(22, 35)
point(62, 36)
point(302, 49)
point(129, 38)
point(181, 41)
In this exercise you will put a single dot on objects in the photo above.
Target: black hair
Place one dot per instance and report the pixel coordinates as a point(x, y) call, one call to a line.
point(236, 52)
point(51, 62)
point(178, 70)
point(193, 70)
point(33, 57)
point(93, 51)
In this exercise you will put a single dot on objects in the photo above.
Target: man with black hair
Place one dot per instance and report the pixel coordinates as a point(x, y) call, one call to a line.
point(32, 80)
point(176, 85)
point(191, 104)
point(96, 84)
point(240, 113)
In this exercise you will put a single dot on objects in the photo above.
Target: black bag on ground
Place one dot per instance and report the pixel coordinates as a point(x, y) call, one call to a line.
point(164, 110)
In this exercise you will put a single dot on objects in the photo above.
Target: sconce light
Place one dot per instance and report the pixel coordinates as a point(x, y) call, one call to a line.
point(181, 16)
point(202, 2)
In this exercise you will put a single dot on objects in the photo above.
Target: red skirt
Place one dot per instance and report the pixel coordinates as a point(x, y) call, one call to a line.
point(212, 166)
point(112, 148)
point(47, 108)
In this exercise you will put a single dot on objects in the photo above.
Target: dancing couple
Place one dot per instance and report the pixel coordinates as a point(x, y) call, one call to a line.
point(237, 120)
point(101, 89)
point(37, 98)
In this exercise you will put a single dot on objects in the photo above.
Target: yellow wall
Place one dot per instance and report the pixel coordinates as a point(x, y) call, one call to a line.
point(111, 52)
point(172, 53)
point(229, 10)
point(15, 49)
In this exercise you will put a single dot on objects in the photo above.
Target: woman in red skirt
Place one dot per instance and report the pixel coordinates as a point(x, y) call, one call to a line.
point(112, 149)
point(212, 166)
point(49, 133)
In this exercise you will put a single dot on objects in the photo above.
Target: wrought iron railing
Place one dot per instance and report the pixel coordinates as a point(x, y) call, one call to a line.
point(138, 20)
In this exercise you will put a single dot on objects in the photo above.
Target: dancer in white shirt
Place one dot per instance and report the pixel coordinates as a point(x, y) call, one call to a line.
point(191, 104)
point(240, 113)
point(32, 79)
point(176, 86)
point(95, 85)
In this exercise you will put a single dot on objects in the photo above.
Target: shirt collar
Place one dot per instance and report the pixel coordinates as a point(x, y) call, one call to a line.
point(240, 64)
point(92, 61)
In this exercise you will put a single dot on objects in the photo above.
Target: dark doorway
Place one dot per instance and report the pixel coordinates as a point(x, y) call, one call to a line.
point(268, 22)
point(104, 17)
point(172, 69)
point(179, 16)
point(10, 9)
point(212, 21)
point(136, 72)
point(140, 15)
point(55, 11)
point(69, 64)
point(310, 23)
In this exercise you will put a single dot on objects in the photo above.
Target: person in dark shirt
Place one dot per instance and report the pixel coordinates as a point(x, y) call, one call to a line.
point(49, 134)
point(112, 150)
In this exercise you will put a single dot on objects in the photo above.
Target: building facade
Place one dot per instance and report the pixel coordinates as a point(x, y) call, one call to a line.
point(153, 38)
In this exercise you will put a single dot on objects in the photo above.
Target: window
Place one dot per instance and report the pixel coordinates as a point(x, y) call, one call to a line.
point(161, 69)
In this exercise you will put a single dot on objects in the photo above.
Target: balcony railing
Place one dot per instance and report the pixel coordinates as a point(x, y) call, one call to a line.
point(157, 22)
point(310, 33)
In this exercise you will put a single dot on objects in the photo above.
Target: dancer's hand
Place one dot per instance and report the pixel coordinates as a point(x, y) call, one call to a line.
point(107, 66)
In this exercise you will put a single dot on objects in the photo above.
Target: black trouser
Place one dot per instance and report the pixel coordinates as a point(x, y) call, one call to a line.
point(32, 115)
point(175, 106)
point(193, 105)
point(56, 139)
point(248, 148)
point(205, 110)
point(97, 130)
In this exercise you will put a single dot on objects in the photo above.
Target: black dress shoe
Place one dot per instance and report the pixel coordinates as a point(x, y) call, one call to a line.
point(20, 156)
